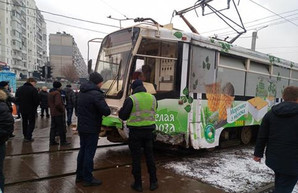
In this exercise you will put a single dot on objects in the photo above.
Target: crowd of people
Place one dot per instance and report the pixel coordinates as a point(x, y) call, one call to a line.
point(89, 106)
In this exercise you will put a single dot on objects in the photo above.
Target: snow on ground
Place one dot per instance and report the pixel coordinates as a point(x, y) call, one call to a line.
point(232, 170)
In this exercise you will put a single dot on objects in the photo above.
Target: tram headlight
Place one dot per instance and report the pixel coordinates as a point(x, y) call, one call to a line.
point(114, 111)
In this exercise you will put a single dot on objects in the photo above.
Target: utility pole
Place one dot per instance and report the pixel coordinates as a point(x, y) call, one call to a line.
point(255, 36)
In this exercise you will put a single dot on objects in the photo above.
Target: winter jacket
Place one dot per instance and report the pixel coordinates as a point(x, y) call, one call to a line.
point(6, 119)
point(70, 98)
point(126, 109)
point(91, 106)
point(27, 97)
point(10, 99)
point(55, 102)
point(43, 98)
point(279, 134)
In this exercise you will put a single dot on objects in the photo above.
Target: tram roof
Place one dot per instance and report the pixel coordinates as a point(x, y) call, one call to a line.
point(170, 33)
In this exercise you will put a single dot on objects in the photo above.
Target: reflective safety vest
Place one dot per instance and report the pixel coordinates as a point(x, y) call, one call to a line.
point(143, 110)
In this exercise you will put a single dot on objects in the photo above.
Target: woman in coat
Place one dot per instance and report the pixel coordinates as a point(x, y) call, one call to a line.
point(6, 129)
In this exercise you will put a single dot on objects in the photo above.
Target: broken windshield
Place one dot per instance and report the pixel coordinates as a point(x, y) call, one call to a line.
point(113, 60)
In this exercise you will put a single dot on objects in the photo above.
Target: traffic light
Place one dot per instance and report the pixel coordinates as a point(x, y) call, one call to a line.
point(49, 74)
point(42, 71)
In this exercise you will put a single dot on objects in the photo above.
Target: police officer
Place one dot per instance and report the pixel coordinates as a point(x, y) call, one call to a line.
point(139, 111)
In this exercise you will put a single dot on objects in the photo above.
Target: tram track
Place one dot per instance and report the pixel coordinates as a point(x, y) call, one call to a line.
point(61, 150)
point(159, 161)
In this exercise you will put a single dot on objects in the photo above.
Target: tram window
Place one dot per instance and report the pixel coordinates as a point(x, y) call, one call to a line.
point(294, 74)
point(281, 84)
point(257, 67)
point(235, 77)
point(158, 75)
point(232, 62)
point(153, 47)
point(158, 66)
point(202, 68)
point(257, 85)
point(280, 71)
point(294, 83)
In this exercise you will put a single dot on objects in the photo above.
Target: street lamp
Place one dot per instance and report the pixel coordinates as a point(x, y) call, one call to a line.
point(254, 37)
point(96, 40)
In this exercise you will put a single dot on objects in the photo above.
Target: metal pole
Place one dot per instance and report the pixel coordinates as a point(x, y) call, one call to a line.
point(254, 37)
point(253, 41)
point(98, 40)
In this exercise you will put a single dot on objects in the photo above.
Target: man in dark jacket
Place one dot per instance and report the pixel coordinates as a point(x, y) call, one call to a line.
point(70, 102)
point(6, 129)
point(43, 97)
point(57, 109)
point(279, 134)
point(139, 111)
point(91, 106)
point(27, 97)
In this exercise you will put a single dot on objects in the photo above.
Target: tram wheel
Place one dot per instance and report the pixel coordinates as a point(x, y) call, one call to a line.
point(246, 135)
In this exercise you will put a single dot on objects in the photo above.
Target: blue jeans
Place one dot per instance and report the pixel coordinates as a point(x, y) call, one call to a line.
point(69, 115)
point(88, 146)
point(284, 183)
point(2, 156)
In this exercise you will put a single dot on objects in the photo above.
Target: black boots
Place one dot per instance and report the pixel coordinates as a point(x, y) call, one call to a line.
point(153, 186)
point(137, 187)
point(94, 182)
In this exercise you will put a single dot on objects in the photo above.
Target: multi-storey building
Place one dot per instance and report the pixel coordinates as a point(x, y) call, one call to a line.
point(65, 57)
point(5, 28)
point(24, 31)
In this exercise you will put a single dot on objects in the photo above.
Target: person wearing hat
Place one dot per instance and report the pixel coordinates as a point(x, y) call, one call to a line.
point(139, 112)
point(57, 110)
point(91, 106)
point(70, 102)
point(28, 100)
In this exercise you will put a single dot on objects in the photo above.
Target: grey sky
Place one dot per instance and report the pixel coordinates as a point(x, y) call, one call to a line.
point(279, 38)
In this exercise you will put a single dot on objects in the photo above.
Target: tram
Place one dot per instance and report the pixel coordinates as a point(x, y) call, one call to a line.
point(208, 91)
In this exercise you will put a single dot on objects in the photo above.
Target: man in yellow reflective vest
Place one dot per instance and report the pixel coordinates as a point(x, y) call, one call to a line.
point(139, 111)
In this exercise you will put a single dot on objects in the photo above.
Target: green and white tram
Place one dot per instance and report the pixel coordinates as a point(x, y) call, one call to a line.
point(208, 91)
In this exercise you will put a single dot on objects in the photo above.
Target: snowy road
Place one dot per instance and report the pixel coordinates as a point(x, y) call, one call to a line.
point(232, 170)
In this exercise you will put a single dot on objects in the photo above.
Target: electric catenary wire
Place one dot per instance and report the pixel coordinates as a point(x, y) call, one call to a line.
point(273, 12)
point(60, 15)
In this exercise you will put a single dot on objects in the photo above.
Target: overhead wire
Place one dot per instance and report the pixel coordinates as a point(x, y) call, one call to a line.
point(114, 9)
point(253, 26)
point(273, 12)
point(253, 21)
point(87, 29)
point(60, 15)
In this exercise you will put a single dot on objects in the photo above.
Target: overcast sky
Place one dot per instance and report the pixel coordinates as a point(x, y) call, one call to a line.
point(279, 36)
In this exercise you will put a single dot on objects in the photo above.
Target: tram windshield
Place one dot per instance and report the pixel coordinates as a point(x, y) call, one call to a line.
point(113, 60)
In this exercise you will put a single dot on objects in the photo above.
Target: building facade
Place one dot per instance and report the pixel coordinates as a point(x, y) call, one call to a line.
point(65, 57)
point(23, 37)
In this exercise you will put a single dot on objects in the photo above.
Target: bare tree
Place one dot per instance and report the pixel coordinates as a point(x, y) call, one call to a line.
point(70, 73)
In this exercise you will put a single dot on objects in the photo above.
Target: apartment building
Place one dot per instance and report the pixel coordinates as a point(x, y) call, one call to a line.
point(23, 37)
point(65, 57)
